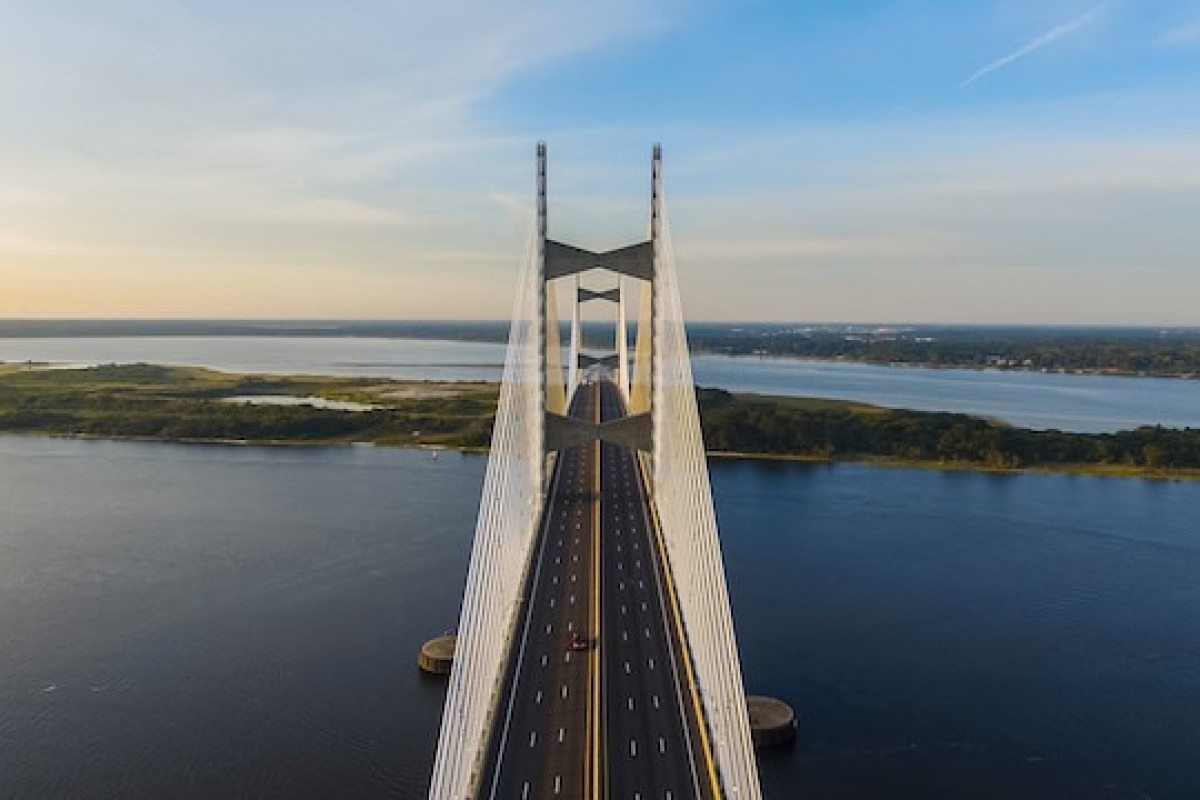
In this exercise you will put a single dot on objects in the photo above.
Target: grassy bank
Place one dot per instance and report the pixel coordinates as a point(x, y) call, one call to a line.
point(143, 401)
point(187, 404)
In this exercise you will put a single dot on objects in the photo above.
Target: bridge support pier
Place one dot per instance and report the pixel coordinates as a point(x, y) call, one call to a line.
point(772, 721)
point(437, 655)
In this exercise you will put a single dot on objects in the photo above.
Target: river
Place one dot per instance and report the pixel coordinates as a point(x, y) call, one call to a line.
point(1085, 403)
point(216, 621)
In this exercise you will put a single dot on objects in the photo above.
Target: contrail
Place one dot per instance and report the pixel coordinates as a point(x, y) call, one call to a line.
point(1049, 37)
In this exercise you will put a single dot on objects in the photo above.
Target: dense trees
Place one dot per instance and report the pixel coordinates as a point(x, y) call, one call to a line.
point(787, 426)
point(211, 420)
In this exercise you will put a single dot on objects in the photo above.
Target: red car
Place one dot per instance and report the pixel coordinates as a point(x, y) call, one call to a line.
point(580, 642)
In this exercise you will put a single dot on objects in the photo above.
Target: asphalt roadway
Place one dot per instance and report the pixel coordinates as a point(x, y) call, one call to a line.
point(598, 702)
point(652, 747)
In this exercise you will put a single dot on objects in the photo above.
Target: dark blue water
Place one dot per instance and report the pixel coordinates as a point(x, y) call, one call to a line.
point(218, 622)
point(969, 635)
point(223, 622)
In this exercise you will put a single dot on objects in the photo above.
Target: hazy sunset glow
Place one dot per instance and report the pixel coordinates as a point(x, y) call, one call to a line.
point(1026, 161)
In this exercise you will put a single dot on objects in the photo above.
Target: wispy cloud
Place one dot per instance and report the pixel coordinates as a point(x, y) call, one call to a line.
point(1044, 40)
point(216, 141)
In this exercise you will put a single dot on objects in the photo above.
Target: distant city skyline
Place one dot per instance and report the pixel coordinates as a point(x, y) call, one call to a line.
point(1023, 162)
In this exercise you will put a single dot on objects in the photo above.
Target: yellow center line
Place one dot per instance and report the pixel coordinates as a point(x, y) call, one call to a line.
point(594, 661)
point(706, 746)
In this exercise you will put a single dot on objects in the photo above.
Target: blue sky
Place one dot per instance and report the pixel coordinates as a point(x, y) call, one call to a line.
point(893, 161)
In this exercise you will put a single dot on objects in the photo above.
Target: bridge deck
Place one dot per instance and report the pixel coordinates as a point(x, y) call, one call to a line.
point(612, 715)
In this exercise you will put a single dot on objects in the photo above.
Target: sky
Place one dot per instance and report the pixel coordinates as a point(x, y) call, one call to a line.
point(1015, 161)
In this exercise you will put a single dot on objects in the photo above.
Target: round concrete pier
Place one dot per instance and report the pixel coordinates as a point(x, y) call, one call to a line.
point(438, 654)
point(772, 721)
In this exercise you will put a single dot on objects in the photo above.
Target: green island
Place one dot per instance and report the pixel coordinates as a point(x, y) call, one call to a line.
point(190, 404)
point(187, 404)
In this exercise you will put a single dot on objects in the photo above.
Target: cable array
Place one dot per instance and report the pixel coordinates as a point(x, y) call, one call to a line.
point(683, 498)
point(504, 535)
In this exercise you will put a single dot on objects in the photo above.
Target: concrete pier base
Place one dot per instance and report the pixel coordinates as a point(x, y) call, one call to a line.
point(772, 721)
point(437, 655)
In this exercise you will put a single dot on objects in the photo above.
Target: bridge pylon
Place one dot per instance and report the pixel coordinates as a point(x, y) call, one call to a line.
point(532, 426)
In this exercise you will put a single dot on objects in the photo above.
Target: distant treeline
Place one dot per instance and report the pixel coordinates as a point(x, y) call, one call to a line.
point(1125, 351)
point(1149, 351)
point(836, 430)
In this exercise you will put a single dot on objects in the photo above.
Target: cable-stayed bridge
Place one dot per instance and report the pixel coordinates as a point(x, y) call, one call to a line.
point(596, 655)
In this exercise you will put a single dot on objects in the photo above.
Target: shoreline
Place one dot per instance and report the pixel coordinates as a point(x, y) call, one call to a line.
point(1099, 372)
point(1081, 470)
point(190, 405)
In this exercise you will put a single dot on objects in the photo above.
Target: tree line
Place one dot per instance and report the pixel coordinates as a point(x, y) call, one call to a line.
point(775, 426)
point(1165, 353)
